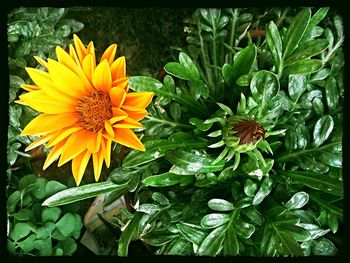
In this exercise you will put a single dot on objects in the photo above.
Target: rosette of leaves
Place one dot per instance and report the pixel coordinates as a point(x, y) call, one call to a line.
point(199, 189)
point(37, 230)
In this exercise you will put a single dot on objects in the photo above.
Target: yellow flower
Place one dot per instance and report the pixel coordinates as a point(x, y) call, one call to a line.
point(84, 107)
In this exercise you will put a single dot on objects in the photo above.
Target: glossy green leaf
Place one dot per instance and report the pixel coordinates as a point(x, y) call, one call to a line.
point(264, 190)
point(250, 188)
point(296, 232)
point(296, 31)
point(160, 198)
point(288, 245)
point(128, 234)
point(324, 247)
point(274, 41)
point(158, 238)
point(323, 128)
point(212, 244)
point(145, 84)
point(53, 187)
point(187, 62)
point(307, 50)
point(192, 233)
point(148, 208)
point(296, 86)
point(241, 65)
point(19, 231)
point(166, 179)
point(332, 93)
point(317, 105)
point(220, 205)
point(178, 247)
point(297, 201)
point(321, 182)
point(178, 70)
point(244, 229)
point(193, 162)
point(23, 215)
point(214, 220)
point(254, 215)
point(230, 245)
point(264, 86)
point(75, 194)
point(304, 67)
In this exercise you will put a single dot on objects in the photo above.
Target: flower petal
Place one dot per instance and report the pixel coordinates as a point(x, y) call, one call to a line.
point(41, 61)
point(102, 77)
point(128, 138)
point(79, 164)
point(62, 134)
point(66, 80)
point(43, 139)
point(128, 123)
point(93, 141)
point(88, 67)
point(29, 87)
point(117, 96)
point(54, 153)
point(75, 144)
point(121, 83)
point(135, 113)
point(45, 123)
point(97, 159)
point(118, 68)
point(80, 48)
point(91, 51)
point(138, 99)
point(109, 129)
point(39, 101)
point(109, 54)
point(107, 155)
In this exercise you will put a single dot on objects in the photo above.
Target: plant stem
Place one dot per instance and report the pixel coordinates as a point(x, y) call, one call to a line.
point(233, 31)
point(171, 123)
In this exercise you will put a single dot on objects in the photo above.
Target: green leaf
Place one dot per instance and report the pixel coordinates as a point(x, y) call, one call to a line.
point(288, 245)
point(166, 179)
point(316, 181)
point(297, 201)
point(220, 205)
point(193, 162)
point(66, 224)
point(200, 124)
point(250, 188)
point(187, 62)
point(44, 246)
point(264, 86)
point(324, 247)
point(12, 201)
point(212, 244)
point(160, 198)
point(192, 233)
point(296, 31)
point(52, 187)
point(231, 245)
point(45, 231)
point(23, 215)
point(39, 188)
point(244, 229)
point(254, 215)
point(158, 148)
point(296, 232)
point(50, 214)
point(83, 192)
point(63, 31)
point(274, 41)
point(323, 128)
point(178, 247)
point(27, 244)
point(69, 246)
point(304, 67)
point(178, 70)
point(19, 231)
point(296, 86)
point(241, 65)
point(214, 220)
point(307, 50)
point(332, 93)
point(128, 234)
point(264, 190)
point(148, 208)
point(158, 238)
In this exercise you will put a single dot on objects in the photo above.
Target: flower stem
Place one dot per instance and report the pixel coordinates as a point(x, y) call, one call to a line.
point(171, 123)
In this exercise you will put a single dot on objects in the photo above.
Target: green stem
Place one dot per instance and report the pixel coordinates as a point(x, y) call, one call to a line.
point(233, 31)
point(171, 123)
point(215, 59)
point(294, 154)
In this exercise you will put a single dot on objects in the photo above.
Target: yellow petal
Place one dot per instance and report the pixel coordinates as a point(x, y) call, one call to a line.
point(109, 129)
point(79, 46)
point(121, 83)
point(54, 153)
point(138, 99)
point(39, 101)
point(118, 68)
point(97, 160)
point(41, 61)
point(29, 87)
point(102, 77)
point(45, 123)
point(68, 61)
point(43, 81)
point(88, 67)
point(128, 138)
point(128, 123)
point(79, 164)
point(93, 141)
point(66, 80)
point(74, 145)
point(109, 54)
point(117, 96)
point(91, 50)
point(73, 54)
point(43, 139)
point(135, 113)
point(62, 134)
point(108, 150)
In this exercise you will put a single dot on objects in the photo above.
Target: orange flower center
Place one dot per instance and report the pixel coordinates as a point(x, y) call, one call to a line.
point(249, 131)
point(94, 109)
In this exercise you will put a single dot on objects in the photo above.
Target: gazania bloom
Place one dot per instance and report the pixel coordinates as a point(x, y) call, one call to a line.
point(84, 107)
